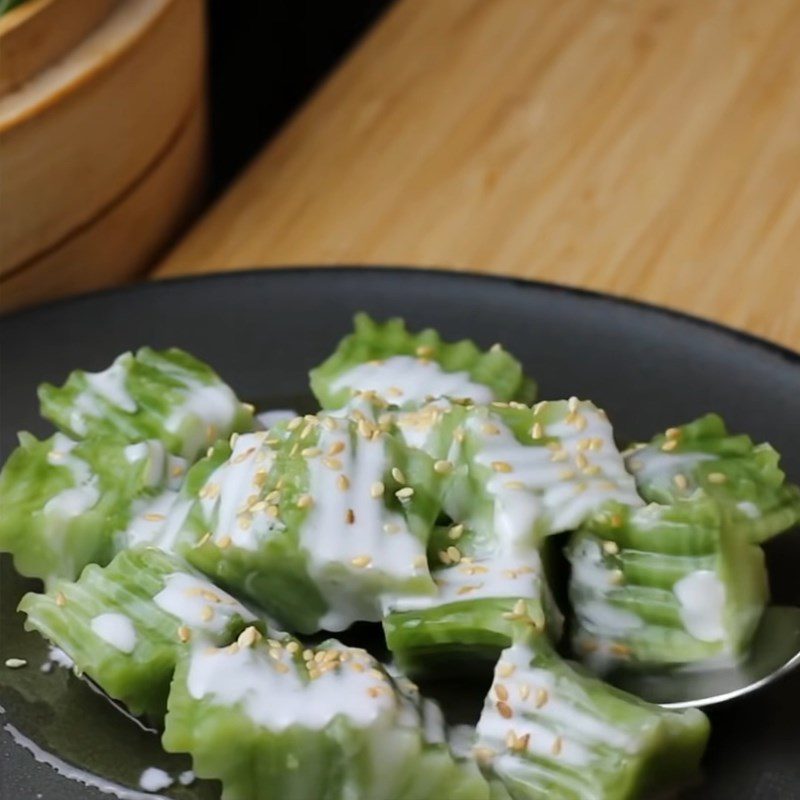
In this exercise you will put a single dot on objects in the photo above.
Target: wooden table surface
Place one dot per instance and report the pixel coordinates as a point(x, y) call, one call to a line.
point(649, 148)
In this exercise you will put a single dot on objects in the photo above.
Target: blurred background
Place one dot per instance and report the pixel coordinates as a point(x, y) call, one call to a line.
point(647, 148)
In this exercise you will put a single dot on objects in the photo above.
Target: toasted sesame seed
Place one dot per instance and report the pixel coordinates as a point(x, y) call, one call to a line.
point(260, 477)
point(442, 467)
point(612, 548)
point(223, 542)
point(443, 557)
point(559, 455)
point(542, 696)
point(558, 745)
point(454, 554)
point(392, 527)
point(505, 669)
point(15, 663)
point(308, 655)
point(310, 452)
point(420, 562)
point(520, 607)
point(273, 497)
point(273, 511)
point(335, 448)
point(332, 463)
point(501, 692)
point(681, 481)
point(184, 634)
point(248, 637)
point(377, 489)
point(483, 755)
point(350, 516)
point(717, 477)
point(405, 493)
point(504, 709)
point(207, 614)
point(537, 431)
point(361, 561)
point(398, 475)
point(616, 577)
point(293, 647)
point(294, 423)
point(489, 429)
point(281, 667)
point(61, 599)
point(524, 691)
point(305, 501)
point(343, 482)
point(669, 445)
point(177, 470)
point(357, 666)
point(468, 588)
point(501, 466)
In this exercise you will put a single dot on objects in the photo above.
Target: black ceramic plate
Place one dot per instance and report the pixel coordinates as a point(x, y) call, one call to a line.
point(263, 330)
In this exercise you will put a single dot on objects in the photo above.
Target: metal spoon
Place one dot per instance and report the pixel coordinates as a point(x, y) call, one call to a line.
point(775, 651)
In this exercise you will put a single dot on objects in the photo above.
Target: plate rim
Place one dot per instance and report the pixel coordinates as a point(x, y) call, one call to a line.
point(375, 269)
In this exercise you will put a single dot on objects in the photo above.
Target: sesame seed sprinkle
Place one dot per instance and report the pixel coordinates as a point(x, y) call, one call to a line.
point(15, 663)
point(504, 710)
point(61, 599)
point(361, 561)
point(398, 475)
point(377, 489)
point(501, 466)
point(717, 477)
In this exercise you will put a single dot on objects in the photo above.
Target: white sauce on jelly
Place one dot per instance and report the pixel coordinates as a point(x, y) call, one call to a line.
point(206, 414)
point(405, 380)
point(268, 419)
point(157, 521)
point(110, 384)
point(115, 629)
point(701, 595)
point(154, 779)
point(538, 491)
point(277, 699)
point(77, 499)
point(199, 604)
point(345, 555)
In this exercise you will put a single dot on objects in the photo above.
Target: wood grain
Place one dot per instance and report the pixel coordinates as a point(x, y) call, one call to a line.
point(649, 148)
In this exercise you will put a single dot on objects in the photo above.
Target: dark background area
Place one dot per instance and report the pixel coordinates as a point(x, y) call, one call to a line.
point(266, 57)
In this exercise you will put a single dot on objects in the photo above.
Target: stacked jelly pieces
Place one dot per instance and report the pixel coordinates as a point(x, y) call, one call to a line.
point(187, 550)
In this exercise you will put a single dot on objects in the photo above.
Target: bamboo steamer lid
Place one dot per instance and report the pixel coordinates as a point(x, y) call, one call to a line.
point(90, 118)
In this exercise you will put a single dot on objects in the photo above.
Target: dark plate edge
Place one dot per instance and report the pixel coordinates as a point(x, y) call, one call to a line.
point(790, 355)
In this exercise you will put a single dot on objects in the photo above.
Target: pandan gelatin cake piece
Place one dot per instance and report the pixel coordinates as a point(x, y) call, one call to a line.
point(275, 721)
point(315, 520)
point(167, 395)
point(124, 625)
point(406, 368)
point(744, 478)
point(665, 585)
point(67, 504)
point(549, 731)
point(512, 476)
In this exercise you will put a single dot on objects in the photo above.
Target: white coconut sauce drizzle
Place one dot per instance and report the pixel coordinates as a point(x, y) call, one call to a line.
point(115, 629)
point(555, 491)
point(349, 533)
point(270, 418)
point(110, 384)
point(278, 699)
point(223, 498)
point(157, 521)
point(213, 405)
point(701, 595)
point(77, 499)
point(404, 379)
point(653, 466)
point(154, 779)
point(199, 604)
point(478, 578)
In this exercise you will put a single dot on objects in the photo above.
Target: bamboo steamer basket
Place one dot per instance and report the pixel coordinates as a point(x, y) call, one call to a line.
point(102, 140)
